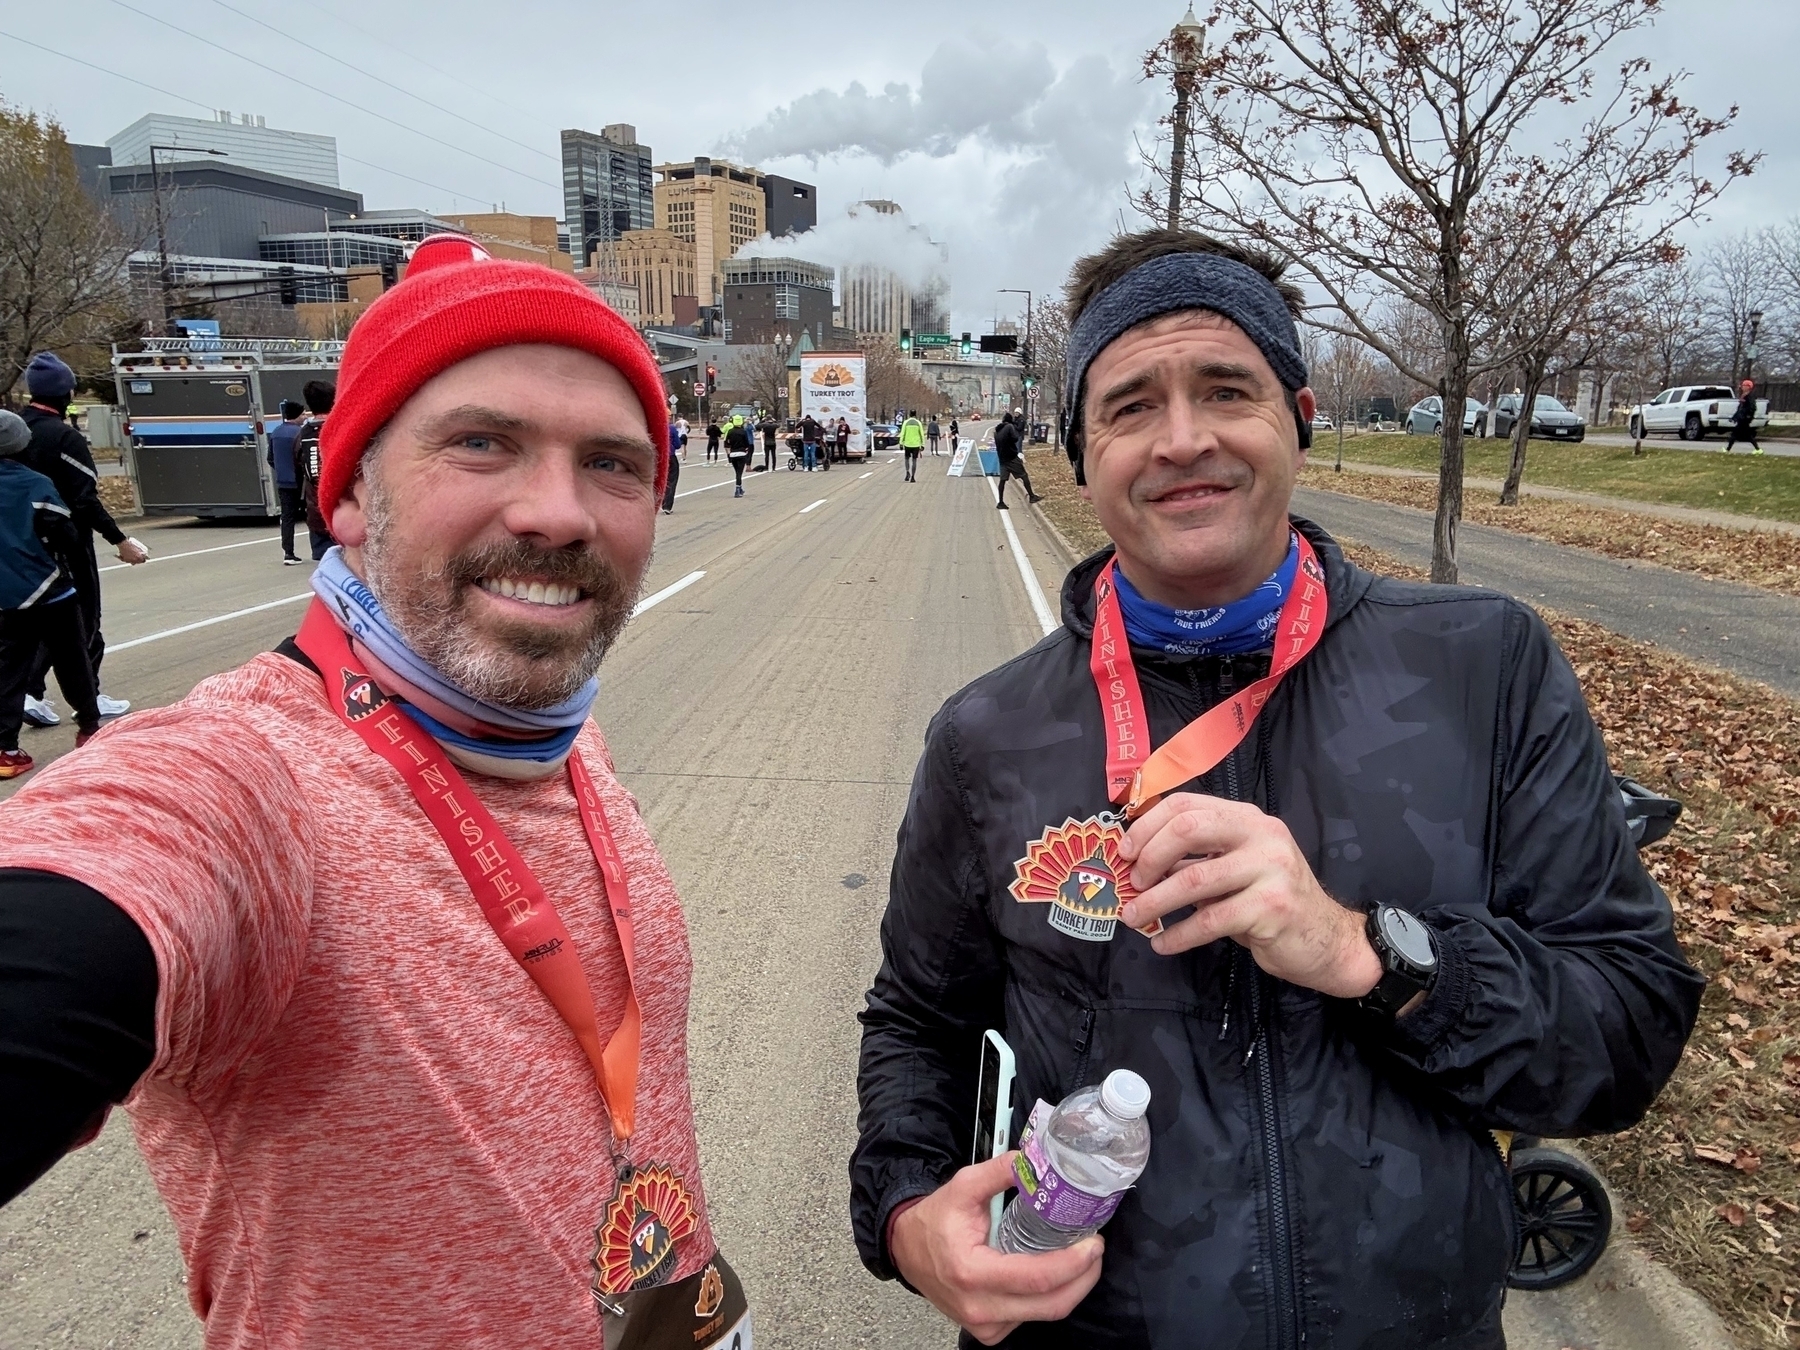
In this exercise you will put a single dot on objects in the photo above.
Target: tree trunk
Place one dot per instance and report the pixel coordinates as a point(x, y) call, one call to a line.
point(1454, 390)
point(1521, 432)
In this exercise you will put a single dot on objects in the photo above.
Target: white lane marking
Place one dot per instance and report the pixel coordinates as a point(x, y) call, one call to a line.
point(205, 623)
point(1039, 605)
point(815, 506)
point(196, 552)
point(708, 488)
point(666, 592)
point(869, 474)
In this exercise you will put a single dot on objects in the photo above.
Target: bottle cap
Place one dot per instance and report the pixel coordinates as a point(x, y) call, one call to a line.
point(1125, 1095)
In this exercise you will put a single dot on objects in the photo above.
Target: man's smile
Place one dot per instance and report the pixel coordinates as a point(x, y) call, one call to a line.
point(532, 591)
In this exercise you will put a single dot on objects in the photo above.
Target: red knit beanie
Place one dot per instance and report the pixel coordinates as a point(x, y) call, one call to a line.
point(457, 301)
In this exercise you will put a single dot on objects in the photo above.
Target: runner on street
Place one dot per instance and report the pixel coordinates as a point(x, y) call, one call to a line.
point(912, 440)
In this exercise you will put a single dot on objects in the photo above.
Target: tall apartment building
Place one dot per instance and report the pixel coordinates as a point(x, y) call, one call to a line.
point(716, 206)
point(247, 144)
point(789, 206)
point(607, 188)
point(660, 263)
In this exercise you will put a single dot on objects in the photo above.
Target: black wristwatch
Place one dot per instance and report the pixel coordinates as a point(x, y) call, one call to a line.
point(1408, 959)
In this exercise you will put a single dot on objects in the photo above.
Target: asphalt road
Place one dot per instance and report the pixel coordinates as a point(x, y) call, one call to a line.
point(768, 714)
point(1752, 632)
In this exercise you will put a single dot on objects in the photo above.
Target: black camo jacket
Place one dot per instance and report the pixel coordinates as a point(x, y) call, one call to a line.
point(1316, 1178)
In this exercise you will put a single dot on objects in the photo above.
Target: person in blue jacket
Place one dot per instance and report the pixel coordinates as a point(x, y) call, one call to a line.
point(287, 481)
point(37, 597)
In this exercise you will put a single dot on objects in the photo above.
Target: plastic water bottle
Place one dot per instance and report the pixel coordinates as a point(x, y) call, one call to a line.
point(1076, 1166)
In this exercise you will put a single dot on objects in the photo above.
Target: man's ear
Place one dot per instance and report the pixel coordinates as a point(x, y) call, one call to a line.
point(349, 520)
point(1306, 406)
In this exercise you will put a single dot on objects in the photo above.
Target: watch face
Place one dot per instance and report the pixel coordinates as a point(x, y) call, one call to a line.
point(1407, 936)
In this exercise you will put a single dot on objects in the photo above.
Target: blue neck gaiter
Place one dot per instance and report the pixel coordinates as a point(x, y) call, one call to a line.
point(1245, 625)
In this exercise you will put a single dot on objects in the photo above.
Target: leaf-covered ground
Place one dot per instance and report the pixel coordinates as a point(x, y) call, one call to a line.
point(1711, 1179)
point(1755, 557)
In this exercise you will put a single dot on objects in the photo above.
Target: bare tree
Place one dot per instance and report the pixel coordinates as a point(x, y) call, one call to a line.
point(1738, 273)
point(62, 262)
point(1050, 355)
point(762, 371)
point(1343, 370)
point(893, 382)
point(1360, 139)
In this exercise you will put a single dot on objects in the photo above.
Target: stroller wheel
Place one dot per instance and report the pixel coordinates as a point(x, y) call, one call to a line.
point(1564, 1218)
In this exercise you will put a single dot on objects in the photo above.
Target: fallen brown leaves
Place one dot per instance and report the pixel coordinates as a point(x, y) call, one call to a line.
point(1711, 1177)
point(1755, 557)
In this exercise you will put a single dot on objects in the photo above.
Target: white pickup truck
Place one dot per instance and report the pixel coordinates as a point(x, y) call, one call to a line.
point(1691, 411)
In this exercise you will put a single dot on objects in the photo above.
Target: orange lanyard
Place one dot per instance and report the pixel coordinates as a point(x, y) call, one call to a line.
point(511, 898)
point(1135, 777)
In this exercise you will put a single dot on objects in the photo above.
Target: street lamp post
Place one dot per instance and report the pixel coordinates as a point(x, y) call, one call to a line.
point(1756, 318)
point(164, 276)
point(1184, 46)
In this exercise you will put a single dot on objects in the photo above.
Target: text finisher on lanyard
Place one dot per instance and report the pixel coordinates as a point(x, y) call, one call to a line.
point(511, 898)
point(1136, 777)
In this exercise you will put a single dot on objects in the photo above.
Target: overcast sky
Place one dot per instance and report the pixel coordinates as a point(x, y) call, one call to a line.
point(1012, 136)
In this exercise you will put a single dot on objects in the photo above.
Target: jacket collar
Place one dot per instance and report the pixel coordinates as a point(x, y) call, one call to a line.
point(1345, 582)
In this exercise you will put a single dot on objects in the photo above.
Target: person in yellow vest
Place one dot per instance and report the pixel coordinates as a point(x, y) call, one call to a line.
point(912, 440)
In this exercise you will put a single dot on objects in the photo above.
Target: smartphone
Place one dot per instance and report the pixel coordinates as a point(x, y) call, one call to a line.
point(993, 1114)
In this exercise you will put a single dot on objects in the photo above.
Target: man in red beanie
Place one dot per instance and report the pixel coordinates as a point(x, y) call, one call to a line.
point(395, 986)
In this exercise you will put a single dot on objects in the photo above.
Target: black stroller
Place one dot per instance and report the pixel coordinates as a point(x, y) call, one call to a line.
point(1565, 1219)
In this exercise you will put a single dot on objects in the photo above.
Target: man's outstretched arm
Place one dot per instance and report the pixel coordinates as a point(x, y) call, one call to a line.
point(77, 1018)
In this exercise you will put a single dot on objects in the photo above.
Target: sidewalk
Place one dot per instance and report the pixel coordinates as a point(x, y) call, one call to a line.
point(1692, 515)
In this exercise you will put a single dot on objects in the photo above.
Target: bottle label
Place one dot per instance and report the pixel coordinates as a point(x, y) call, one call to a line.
point(1051, 1197)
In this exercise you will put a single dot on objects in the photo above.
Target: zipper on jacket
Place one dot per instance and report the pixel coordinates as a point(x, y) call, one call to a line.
point(1289, 1329)
point(1082, 1038)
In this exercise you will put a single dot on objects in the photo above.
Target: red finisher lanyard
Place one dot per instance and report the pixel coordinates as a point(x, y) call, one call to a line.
point(511, 898)
point(1135, 777)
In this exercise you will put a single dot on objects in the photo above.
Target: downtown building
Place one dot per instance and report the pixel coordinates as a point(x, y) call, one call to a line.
point(607, 188)
point(243, 143)
point(774, 300)
point(719, 207)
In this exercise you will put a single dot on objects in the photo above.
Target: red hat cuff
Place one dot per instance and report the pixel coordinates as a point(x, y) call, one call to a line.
point(456, 302)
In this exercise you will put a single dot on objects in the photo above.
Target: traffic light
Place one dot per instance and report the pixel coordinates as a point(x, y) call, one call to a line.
point(905, 340)
point(290, 291)
point(390, 273)
point(1030, 380)
point(712, 378)
point(967, 344)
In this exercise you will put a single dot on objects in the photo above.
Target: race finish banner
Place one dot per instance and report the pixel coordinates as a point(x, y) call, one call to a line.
point(832, 385)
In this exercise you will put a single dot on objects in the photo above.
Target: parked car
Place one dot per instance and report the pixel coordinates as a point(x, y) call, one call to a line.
point(883, 436)
point(1321, 422)
point(1690, 411)
point(1426, 417)
point(1550, 420)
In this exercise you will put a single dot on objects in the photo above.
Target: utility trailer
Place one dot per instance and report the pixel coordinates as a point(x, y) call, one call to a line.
point(198, 412)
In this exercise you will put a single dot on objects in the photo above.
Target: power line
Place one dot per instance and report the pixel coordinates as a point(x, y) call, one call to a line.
point(304, 84)
point(436, 107)
point(470, 85)
point(194, 102)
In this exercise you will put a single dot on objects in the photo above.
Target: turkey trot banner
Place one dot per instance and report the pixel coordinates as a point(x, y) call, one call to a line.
point(834, 385)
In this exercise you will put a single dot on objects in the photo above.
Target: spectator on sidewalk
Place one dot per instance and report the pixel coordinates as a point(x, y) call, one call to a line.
point(282, 441)
point(809, 441)
point(1743, 424)
point(61, 454)
point(842, 437)
point(319, 396)
point(38, 609)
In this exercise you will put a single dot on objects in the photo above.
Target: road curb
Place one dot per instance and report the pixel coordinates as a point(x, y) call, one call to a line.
point(1063, 546)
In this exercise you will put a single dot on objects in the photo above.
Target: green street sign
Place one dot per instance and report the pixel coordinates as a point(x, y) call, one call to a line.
point(933, 340)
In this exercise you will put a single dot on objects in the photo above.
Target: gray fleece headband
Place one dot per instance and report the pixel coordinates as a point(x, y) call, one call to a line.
point(1179, 281)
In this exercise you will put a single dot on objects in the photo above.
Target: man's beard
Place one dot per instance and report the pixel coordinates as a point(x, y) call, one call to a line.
point(510, 664)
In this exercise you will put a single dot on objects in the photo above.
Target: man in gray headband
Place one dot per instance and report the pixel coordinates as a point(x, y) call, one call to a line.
point(1333, 862)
